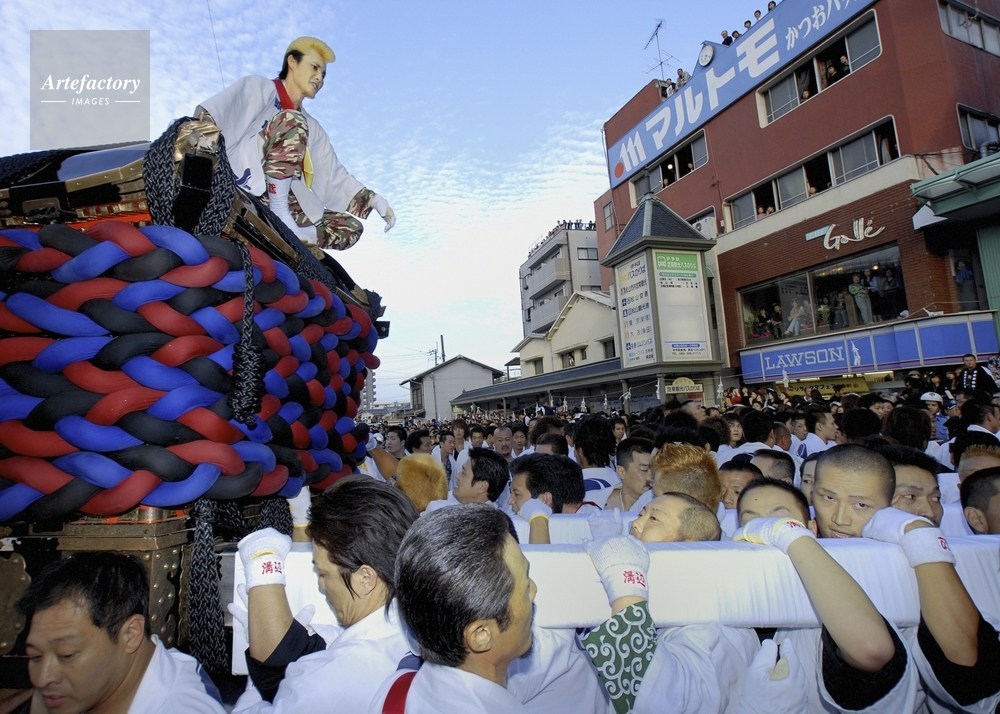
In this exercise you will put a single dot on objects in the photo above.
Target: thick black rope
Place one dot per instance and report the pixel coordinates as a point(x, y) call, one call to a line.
point(248, 356)
point(274, 513)
point(162, 185)
point(206, 624)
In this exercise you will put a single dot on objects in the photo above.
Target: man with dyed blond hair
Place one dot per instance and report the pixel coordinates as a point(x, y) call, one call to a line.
point(274, 145)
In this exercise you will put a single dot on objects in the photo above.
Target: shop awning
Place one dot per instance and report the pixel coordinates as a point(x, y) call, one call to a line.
point(907, 344)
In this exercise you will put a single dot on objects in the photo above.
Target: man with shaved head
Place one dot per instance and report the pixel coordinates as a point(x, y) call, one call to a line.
point(958, 649)
point(647, 669)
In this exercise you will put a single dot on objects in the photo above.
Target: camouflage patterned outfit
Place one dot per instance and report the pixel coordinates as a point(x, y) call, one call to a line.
point(285, 139)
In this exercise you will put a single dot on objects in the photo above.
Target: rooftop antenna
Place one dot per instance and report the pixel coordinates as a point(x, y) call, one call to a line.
point(664, 58)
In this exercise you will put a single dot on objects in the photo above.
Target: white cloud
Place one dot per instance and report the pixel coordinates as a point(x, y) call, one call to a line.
point(466, 213)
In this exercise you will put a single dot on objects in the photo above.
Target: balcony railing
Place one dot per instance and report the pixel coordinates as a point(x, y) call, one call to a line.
point(543, 316)
point(548, 277)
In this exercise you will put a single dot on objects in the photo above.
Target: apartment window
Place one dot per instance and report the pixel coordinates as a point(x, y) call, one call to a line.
point(568, 360)
point(676, 166)
point(650, 182)
point(527, 315)
point(970, 27)
point(978, 129)
point(782, 98)
point(792, 187)
point(743, 210)
point(536, 365)
point(586, 253)
point(862, 46)
point(850, 160)
point(609, 349)
point(846, 54)
point(855, 159)
point(590, 288)
point(609, 217)
point(583, 354)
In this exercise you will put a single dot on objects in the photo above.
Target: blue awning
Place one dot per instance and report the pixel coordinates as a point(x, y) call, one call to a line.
point(910, 344)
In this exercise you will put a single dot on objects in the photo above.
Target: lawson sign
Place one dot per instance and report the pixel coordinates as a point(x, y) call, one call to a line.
point(901, 345)
point(782, 35)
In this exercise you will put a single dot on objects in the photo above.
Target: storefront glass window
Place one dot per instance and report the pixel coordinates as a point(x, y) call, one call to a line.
point(827, 298)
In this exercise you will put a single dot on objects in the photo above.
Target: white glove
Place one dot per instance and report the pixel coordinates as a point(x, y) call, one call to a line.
point(381, 207)
point(622, 563)
point(533, 508)
point(920, 545)
point(263, 554)
point(771, 687)
point(238, 609)
point(887, 525)
point(299, 506)
point(371, 444)
point(779, 532)
point(605, 524)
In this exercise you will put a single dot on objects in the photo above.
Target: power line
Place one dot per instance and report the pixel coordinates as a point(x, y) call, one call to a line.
point(216, 41)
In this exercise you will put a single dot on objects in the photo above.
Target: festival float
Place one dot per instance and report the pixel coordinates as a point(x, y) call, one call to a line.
point(174, 364)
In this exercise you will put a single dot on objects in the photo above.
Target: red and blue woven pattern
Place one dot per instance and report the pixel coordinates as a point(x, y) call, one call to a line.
point(116, 351)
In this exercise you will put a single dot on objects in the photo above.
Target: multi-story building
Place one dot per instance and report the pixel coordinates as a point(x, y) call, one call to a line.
point(561, 263)
point(795, 148)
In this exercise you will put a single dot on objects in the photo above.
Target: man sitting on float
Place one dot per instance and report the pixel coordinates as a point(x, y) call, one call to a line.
point(274, 144)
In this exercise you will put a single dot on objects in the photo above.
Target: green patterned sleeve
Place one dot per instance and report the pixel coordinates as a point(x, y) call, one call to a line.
point(622, 649)
point(361, 204)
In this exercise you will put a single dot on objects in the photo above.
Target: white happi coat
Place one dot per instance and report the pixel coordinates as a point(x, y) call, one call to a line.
point(175, 682)
point(905, 698)
point(345, 675)
point(696, 668)
point(241, 111)
point(556, 676)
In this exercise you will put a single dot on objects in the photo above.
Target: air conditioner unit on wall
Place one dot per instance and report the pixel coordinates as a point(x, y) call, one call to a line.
point(706, 226)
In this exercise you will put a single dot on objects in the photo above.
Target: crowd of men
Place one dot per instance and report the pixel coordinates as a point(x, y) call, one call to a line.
point(418, 557)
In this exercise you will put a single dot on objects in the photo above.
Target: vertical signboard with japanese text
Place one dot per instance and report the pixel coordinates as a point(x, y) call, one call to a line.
point(680, 302)
point(635, 312)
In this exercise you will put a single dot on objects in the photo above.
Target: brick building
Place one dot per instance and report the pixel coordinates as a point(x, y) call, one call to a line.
point(796, 148)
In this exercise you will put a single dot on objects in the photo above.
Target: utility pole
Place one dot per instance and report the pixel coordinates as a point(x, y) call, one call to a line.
point(443, 358)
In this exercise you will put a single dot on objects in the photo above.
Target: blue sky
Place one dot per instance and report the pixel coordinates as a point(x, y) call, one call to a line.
point(479, 122)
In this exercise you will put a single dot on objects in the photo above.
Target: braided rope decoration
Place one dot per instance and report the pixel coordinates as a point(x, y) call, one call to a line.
point(116, 368)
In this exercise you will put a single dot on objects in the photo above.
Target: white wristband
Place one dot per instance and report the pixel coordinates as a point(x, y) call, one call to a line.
point(624, 581)
point(926, 545)
point(265, 568)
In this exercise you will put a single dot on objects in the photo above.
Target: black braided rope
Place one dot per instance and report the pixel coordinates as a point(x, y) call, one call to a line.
point(274, 513)
point(229, 519)
point(248, 356)
point(162, 185)
point(205, 616)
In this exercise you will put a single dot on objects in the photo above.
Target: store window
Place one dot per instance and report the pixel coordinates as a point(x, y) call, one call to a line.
point(860, 290)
